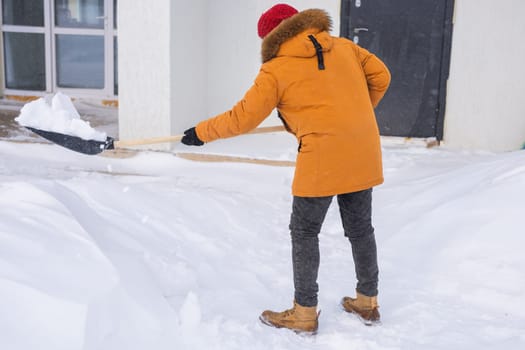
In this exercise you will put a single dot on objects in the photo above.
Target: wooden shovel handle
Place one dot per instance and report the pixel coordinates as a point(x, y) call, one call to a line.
point(176, 138)
point(150, 141)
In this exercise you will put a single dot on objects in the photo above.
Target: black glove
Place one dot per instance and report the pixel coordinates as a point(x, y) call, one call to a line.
point(190, 138)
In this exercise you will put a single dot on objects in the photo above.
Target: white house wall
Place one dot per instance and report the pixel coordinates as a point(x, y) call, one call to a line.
point(144, 88)
point(162, 67)
point(189, 62)
point(486, 87)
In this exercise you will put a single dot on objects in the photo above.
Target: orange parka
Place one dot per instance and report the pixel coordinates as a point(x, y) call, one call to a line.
point(325, 89)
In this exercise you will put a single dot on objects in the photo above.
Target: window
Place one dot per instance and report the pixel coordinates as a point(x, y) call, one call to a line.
point(23, 12)
point(24, 61)
point(60, 45)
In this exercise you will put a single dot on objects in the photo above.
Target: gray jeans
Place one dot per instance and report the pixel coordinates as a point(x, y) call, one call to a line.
point(307, 218)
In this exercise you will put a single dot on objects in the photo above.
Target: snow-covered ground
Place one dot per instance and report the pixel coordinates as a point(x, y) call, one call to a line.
point(158, 252)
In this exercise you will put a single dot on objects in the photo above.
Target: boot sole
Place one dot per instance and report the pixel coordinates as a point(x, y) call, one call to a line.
point(296, 331)
point(366, 322)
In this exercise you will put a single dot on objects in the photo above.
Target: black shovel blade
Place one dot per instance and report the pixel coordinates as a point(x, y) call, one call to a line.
point(75, 143)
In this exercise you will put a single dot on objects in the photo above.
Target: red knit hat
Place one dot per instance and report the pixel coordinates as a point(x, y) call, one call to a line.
point(273, 17)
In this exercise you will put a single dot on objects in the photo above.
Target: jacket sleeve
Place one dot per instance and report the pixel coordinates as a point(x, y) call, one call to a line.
point(376, 73)
point(247, 114)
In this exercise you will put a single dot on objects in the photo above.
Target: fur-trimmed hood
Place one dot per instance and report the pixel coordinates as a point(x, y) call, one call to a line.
point(314, 19)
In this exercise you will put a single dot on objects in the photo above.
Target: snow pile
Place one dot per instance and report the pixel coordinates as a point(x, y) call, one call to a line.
point(57, 115)
point(156, 252)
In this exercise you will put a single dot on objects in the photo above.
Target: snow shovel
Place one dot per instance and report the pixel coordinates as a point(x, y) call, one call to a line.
point(92, 147)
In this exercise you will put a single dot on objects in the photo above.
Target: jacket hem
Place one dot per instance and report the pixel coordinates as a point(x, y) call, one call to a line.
point(350, 189)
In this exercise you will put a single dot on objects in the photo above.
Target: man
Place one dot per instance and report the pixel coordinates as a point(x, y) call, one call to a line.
point(325, 89)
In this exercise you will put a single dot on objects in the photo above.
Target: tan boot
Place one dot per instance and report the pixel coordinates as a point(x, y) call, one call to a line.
point(364, 307)
point(300, 319)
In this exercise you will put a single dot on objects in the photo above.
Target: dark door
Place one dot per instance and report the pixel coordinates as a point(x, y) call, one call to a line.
point(413, 38)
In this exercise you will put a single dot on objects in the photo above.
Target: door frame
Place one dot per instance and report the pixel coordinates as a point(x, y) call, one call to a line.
point(445, 67)
point(448, 25)
point(50, 30)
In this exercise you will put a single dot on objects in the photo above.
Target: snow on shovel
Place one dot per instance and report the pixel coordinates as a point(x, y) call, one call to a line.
point(59, 122)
